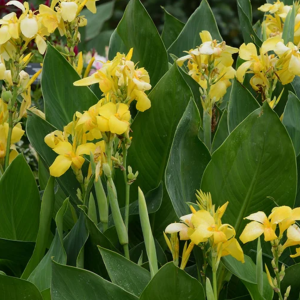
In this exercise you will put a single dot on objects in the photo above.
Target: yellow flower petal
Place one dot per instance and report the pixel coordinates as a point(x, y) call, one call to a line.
point(247, 51)
point(269, 234)
point(17, 134)
point(233, 248)
point(41, 44)
point(280, 213)
point(117, 126)
point(85, 149)
point(108, 110)
point(18, 4)
point(201, 234)
point(68, 11)
point(29, 27)
point(103, 124)
point(4, 34)
point(143, 102)
point(77, 161)
point(294, 65)
point(202, 217)
point(64, 148)
point(60, 166)
point(251, 232)
point(297, 253)
point(182, 59)
point(270, 44)
point(205, 36)
point(293, 233)
point(241, 71)
point(87, 81)
point(260, 217)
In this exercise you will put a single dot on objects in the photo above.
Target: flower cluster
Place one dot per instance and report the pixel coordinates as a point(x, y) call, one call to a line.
point(94, 130)
point(204, 227)
point(121, 82)
point(210, 65)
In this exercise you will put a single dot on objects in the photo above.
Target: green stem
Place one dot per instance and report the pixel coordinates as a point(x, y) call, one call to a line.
point(127, 185)
point(207, 113)
point(276, 271)
point(214, 270)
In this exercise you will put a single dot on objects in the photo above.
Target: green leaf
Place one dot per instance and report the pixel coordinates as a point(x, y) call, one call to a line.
point(241, 105)
point(41, 276)
point(209, 290)
point(246, 272)
point(291, 120)
point(247, 30)
point(100, 43)
point(291, 278)
point(297, 202)
point(44, 228)
point(222, 131)
point(187, 162)
point(201, 19)
point(125, 273)
point(171, 283)
point(19, 202)
point(96, 21)
point(172, 28)
point(151, 54)
point(251, 165)
point(12, 288)
point(71, 283)
point(75, 240)
point(62, 98)
point(288, 27)
point(37, 129)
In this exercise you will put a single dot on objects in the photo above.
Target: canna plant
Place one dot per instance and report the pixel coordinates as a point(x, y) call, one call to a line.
point(152, 159)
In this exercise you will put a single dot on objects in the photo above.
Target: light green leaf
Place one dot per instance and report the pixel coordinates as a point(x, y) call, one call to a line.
point(187, 162)
point(171, 283)
point(44, 228)
point(125, 273)
point(251, 165)
point(12, 288)
point(62, 98)
point(201, 19)
point(288, 27)
point(222, 131)
point(172, 28)
point(136, 26)
point(241, 104)
point(19, 202)
point(71, 283)
point(209, 290)
point(291, 120)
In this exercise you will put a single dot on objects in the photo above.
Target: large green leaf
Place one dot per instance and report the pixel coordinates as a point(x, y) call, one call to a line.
point(288, 27)
point(201, 19)
point(246, 272)
point(100, 43)
point(96, 21)
point(256, 161)
point(222, 131)
point(71, 283)
point(241, 104)
point(172, 28)
point(137, 30)
point(37, 129)
point(291, 120)
point(41, 276)
point(247, 30)
point(291, 278)
point(44, 228)
point(19, 202)
point(12, 288)
point(62, 98)
point(187, 162)
point(171, 283)
point(125, 273)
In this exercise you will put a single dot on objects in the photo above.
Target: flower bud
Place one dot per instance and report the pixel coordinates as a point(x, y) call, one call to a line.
point(24, 79)
point(29, 27)
point(7, 77)
point(68, 11)
point(106, 169)
point(6, 96)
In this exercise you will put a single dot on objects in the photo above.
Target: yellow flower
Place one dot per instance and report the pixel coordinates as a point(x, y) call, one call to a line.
point(293, 237)
point(114, 118)
point(182, 228)
point(296, 254)
point(9, 28)
point(51, 19)
point(277, 8)
point(68, 11)
point(260, 225)
point(68, 157)
point(233, 248)
point(55, 137)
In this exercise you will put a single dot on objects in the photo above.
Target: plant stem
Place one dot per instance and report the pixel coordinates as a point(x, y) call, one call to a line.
point(276, 270)
point(214, 270)
point(127, 186)
point(207, 127)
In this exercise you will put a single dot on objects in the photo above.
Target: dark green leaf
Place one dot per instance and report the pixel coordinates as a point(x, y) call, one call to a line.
point(222, 131)
point(12, 288)
point(100, 43)
point(291, 120)
point(137, 31)
point(71, 283)
point(201, 19)
point(125, 273)
point(171, 283)
point(288, 27)
point(19, 202)
point(291, 278)
point(241, 104)
point(172, 28)
point(187, 162)
point(62, 98)
point(251, 165)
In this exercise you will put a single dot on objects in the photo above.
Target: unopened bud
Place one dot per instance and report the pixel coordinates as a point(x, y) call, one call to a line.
point(132, 176)
point(7, 77)
point(6, 96)
point(24, 79)
point(107, 170)
point(287, 292)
